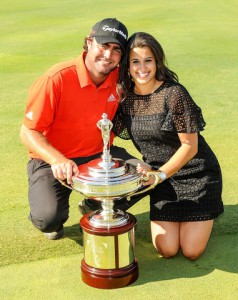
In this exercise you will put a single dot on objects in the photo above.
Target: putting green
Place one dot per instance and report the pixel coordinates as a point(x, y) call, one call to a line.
point(200, 41)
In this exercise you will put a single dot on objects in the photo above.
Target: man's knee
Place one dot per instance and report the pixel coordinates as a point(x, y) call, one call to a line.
point(48, 223)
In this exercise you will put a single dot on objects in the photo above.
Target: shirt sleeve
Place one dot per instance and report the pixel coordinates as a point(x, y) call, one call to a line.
point(41, 104)
point(184, 116)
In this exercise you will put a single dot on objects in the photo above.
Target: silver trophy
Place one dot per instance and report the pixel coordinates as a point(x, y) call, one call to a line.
point(108, 235)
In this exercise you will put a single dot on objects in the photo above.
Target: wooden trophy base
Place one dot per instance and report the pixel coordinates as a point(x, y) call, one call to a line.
point(109, 279)
point(109, 260)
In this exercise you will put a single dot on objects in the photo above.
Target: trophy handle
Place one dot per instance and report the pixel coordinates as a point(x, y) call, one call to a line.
point(63, 182)
point(150, 187)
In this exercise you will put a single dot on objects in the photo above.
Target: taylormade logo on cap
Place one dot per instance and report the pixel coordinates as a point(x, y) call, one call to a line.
point(110, 31)
point(107, 28)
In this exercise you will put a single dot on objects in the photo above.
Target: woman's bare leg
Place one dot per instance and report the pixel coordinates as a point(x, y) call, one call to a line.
point(165, 237)
point(194, 237)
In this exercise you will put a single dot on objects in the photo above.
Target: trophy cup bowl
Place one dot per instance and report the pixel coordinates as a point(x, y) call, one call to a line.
point(108, 235)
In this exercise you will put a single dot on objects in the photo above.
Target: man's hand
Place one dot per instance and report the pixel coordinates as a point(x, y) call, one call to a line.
point(64, 169)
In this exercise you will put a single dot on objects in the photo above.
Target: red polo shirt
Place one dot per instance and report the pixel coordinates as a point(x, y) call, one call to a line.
point(65, 105)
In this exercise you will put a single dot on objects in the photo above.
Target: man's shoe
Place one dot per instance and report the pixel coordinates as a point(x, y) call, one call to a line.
point(87, 206)
point(55, 235)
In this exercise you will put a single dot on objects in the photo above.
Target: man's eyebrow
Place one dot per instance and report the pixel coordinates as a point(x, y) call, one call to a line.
point(115, 46)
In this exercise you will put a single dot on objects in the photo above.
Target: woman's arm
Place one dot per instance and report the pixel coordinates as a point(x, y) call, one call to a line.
point(187, 150)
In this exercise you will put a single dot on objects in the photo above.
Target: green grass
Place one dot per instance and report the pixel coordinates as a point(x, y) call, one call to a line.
point(200, 41)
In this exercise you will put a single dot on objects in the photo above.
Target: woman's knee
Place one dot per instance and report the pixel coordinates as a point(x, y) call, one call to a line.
point(165, 237)
point(192, 252)
point(194, 237)
point(167, 251)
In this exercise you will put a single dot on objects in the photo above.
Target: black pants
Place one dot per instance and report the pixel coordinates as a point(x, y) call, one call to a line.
point(48, 198)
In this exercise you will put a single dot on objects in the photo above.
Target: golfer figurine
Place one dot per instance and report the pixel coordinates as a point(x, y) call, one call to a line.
point(105, 125)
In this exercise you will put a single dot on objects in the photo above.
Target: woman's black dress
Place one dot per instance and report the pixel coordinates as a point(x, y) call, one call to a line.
point(153, 123)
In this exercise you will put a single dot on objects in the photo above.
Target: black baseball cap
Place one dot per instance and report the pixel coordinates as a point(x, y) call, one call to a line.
point(110, 31)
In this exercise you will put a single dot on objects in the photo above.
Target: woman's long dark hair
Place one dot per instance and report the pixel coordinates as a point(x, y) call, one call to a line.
point(140, 40)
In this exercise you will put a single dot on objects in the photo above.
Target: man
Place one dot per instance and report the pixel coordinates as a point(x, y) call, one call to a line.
point(59, 128)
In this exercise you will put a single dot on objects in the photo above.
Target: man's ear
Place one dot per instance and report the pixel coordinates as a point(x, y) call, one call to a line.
point(89, 42)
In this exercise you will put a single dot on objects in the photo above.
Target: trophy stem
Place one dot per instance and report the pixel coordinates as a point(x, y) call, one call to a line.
point(107, 209)
point(107, 217)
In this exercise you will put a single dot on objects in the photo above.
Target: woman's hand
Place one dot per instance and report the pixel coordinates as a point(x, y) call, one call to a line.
point(144, 169)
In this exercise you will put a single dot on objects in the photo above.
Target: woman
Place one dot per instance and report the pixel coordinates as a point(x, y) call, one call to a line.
point(164, 123)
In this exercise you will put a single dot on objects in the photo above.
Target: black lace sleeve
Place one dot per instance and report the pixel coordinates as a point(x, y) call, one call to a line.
point(184, 116)
point(119, 128)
